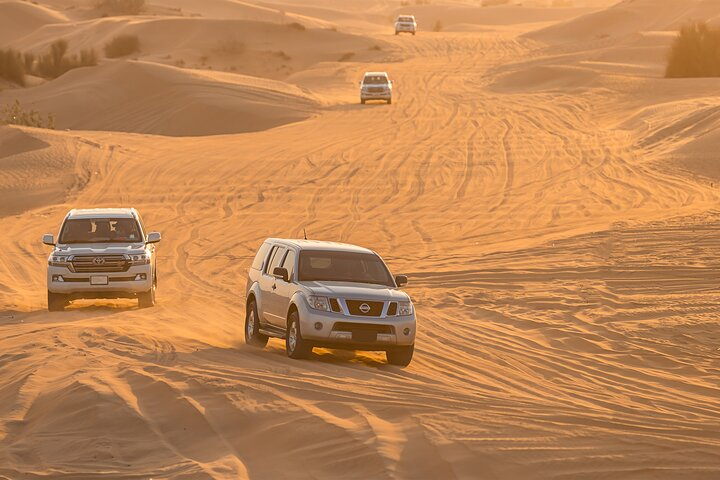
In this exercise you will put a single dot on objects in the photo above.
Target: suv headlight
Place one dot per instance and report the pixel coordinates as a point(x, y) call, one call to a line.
point(318, 303)
point(59, 261)
point(405, 308)
point(140, 259)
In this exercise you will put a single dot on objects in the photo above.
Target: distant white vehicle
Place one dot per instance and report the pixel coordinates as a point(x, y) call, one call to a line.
point(376, 86)
point(405, 23)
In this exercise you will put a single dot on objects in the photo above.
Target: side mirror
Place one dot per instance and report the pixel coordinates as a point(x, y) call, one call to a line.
point(154, 237)
point(401, 280)
point(48, 239)
point(282, 273)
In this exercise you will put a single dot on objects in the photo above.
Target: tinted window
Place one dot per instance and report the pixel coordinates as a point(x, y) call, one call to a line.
point(289, 263)
point(318, 265)
point(277, 258)
point(261, 256)
point(375, 80)
point(101, 230)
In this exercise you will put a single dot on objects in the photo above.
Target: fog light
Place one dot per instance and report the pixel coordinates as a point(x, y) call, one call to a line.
point(58, 278)
point(318, 326)
point(406, 331)
point(140, 276)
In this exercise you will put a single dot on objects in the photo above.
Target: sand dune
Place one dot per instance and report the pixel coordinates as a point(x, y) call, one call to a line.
point(143, 97)
point(554, 207)
point(250, 47)
point(630, 17)
point(22, 18)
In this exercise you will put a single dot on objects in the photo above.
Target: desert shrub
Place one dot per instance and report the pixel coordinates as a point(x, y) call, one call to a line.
point(121, 7)
point(346, 57)
point(231, 46)
point(12, 66)
point(122, 45)
point(15, 114)
point(296, 26)
point(438, 26)
point(695, 52)
point(56, 61)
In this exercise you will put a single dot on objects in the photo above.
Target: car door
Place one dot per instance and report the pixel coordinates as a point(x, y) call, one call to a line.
point(267, 284)
point(284, 290)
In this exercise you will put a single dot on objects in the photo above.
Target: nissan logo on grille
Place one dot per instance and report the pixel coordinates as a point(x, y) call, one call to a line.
point(99, 261)
point(364, 308)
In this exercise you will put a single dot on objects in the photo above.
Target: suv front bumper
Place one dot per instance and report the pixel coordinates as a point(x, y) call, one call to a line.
point(330, 336)
point(137, 279)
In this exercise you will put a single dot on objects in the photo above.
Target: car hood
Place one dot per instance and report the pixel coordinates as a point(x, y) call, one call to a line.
point(358, 291)
point(100, 249)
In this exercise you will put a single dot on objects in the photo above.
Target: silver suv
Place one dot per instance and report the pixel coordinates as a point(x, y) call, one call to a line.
point(102, 253)
point(405, 23)
point(325, 294)
point(376, 86)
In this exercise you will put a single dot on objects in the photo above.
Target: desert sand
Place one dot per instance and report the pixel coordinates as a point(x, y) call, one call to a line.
point(553, 200)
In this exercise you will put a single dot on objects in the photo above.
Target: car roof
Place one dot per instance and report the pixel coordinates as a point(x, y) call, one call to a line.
point(379, 74)
point(102, 213)
point(407, 16)
point(320, 245)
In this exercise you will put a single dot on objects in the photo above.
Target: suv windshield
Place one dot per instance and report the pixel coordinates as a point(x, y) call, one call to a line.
point(375, 80)
point(334, 266)
point(100, 230)
point(405, 19)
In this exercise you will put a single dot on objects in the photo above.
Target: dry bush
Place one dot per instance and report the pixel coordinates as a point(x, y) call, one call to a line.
point(346, 57)
point(15, 114)
point(121, 7)
point(12, 66)
point(56, 62)
point(122, 45)
point(296, 26)
point(438, 26)
point(695, 52)
point(231, 46)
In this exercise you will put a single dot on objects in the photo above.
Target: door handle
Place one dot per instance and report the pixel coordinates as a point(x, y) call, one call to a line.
point(274, 286)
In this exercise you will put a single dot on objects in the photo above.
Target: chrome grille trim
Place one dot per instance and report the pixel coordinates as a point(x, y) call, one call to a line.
point(99, 263)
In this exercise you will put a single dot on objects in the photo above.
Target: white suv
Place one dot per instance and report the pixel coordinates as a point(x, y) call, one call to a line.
point(326, 294)
point(376, 86)
point(405, 23)
point(102, 253)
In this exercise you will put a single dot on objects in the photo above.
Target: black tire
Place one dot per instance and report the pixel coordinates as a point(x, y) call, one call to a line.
point(295, 346)
point(252, 327)
point(389, 102)
point(400, 356)
point(362, 100)
point(413, 34)
point(397, 33)
point(147, 299)
point(56, 302)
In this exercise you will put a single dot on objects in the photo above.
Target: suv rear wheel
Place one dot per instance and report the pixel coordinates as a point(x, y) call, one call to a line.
point(56, 302)
point(295, 346)
point(252, 327)
point(400, 356)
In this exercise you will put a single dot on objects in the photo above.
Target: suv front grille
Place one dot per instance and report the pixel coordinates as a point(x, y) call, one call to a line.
point(364, 308)
point(100, 263)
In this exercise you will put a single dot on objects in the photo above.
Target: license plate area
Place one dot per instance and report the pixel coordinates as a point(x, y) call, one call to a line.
point(98, 280)
point(364, 336)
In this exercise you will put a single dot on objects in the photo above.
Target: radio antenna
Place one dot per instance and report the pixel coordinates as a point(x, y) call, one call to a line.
point(305, 234)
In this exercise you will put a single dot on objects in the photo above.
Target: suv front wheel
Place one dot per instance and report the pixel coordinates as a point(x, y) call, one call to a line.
point(295, 346)
point(56, 302)
point(401, 356)
point(147, 299)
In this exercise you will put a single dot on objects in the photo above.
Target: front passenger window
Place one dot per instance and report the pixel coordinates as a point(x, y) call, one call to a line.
point(289, 263)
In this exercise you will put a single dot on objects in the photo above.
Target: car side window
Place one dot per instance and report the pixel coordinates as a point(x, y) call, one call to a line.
point(289, 263)
point(276, 259)
point(261, 256)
